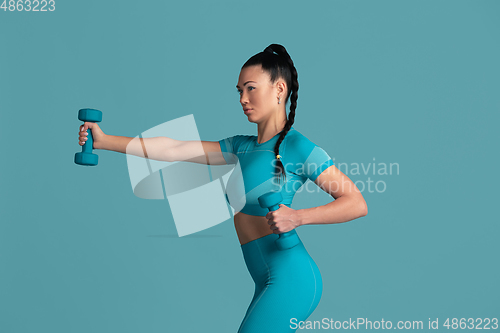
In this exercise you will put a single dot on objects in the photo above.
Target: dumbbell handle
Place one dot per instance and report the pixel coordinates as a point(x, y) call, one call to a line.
point(286, 240)
point(89, 144)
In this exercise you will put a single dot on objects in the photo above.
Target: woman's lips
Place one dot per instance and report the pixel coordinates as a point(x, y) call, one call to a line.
point(247, 111)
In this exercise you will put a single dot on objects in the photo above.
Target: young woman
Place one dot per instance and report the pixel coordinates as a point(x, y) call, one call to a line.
point(288, 284)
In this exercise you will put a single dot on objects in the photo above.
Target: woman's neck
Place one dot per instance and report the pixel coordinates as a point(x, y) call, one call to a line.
point(269, 128)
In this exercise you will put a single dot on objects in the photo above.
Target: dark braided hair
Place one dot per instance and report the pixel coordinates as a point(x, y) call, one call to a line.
point(276, 61)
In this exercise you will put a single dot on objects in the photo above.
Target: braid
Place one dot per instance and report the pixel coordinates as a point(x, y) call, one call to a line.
point(293, 94)
point(277, 62)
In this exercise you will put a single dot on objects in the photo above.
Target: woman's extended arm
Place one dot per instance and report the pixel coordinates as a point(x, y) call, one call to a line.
point(159, 148)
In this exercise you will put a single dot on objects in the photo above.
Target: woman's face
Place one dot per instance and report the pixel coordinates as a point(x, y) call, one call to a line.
point(258, 96)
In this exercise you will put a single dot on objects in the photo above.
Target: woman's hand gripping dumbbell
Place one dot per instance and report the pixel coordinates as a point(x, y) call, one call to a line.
point(97, 134)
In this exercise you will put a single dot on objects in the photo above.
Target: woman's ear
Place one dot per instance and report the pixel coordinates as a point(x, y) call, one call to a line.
point(281, 87)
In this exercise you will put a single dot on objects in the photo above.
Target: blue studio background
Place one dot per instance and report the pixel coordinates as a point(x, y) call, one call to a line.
point(413, 83)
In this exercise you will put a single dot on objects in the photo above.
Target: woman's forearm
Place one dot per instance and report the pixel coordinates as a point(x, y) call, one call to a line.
point(340, 210)
point(152, 148)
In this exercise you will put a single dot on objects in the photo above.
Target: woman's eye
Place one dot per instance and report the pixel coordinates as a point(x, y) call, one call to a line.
point(249, 89)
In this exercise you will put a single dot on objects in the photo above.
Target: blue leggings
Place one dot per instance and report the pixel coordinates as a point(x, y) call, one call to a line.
point(288, 285)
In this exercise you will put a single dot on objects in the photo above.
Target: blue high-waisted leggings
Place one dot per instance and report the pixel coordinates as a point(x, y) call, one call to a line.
point(288, 285)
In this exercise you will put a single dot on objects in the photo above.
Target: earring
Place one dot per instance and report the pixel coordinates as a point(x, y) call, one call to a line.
point(279, 99)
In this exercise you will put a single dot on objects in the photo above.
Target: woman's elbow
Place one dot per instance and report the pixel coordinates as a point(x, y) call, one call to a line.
point(363, 208)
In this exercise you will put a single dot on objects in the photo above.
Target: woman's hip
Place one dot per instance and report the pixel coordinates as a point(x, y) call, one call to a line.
point(269, 265)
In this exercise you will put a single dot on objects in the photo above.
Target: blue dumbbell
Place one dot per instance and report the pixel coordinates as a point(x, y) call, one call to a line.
point(286, 240)
point(86, 157)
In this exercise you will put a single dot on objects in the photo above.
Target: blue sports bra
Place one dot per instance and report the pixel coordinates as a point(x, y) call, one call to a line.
point(301, 158)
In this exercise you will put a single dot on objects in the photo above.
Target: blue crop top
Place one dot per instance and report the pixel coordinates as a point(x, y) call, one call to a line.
point(301, 158)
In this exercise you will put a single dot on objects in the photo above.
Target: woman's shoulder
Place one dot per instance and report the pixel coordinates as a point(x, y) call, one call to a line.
point(235, 143)
point(299, 146)
point(297, 139)
point(302, 151)
point(239, 137)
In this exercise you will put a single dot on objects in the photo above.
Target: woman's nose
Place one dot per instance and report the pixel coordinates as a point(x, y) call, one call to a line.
point(243, 99)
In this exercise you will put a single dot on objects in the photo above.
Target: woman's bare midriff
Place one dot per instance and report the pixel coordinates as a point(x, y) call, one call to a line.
point(250, 227)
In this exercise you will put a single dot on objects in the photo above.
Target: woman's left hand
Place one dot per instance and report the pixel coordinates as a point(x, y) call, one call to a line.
point(283, 219)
